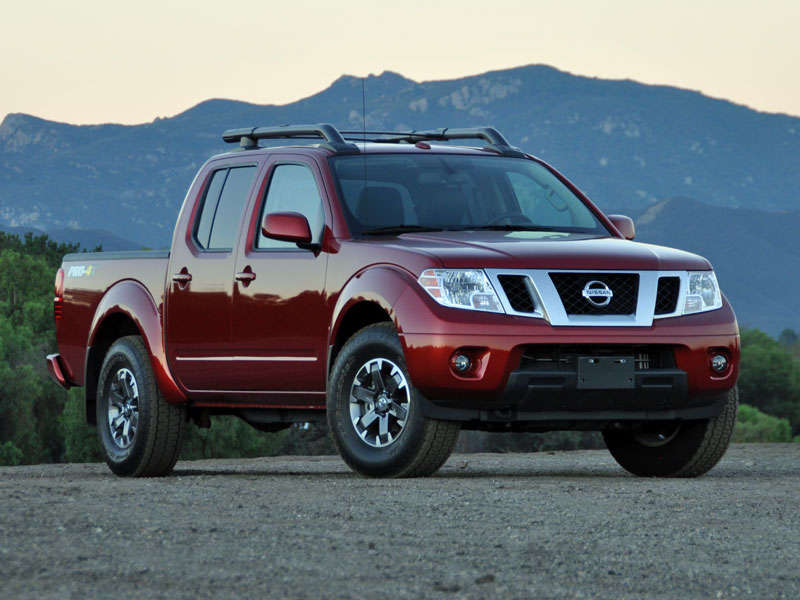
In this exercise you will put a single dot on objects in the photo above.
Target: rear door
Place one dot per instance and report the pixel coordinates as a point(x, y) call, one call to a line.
point(281, 317)
point(199, 296)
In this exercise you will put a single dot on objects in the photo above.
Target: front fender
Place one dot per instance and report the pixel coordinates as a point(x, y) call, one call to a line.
point(380, 284)
point(131, 298)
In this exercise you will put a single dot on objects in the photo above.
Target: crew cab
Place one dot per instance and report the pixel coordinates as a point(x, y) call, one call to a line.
point(404, 288)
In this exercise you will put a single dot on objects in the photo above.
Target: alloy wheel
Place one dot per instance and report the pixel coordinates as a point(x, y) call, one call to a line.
point(123, 408)
point(380, 399)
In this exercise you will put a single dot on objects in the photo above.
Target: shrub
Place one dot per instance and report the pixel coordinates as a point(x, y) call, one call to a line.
point(10, 455)
point(229, 437)
point(752, 425)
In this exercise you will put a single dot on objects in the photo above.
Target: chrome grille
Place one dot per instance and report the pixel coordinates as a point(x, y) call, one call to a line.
point(625, 287)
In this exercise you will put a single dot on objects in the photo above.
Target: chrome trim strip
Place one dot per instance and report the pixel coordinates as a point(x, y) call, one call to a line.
point(260, 392)
point(247, 358)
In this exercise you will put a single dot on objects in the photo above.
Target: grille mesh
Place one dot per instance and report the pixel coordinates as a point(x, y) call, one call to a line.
point(625, 287)
point(556, 357)
point(517, 293)
point(667, 295)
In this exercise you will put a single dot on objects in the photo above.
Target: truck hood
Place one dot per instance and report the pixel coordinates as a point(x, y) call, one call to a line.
point(543, 250)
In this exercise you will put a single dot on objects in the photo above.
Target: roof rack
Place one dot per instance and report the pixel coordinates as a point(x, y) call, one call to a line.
point(335, 141)
point(332, 139)
point(497, 142)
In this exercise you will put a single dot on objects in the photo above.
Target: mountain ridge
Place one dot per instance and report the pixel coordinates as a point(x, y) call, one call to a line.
point(754, 254)
point(626, 144)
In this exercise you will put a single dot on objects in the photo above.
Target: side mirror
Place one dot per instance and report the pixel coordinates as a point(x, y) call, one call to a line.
point(624, 225)
point(287, 226)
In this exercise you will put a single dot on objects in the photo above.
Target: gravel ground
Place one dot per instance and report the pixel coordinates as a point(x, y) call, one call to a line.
point(549, 525)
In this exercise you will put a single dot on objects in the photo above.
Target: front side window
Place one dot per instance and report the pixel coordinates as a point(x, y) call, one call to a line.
point(292, 188)
point(387, 193)
point(226, 195)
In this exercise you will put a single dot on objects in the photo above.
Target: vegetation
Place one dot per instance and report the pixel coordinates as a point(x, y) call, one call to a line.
point(770, 375)
point(40, 422)
point(752, 425)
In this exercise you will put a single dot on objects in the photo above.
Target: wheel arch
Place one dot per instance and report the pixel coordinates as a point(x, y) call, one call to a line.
point(368, 297)
point(127, 308)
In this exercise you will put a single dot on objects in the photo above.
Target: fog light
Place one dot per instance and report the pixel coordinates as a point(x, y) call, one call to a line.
point(719, 363)
point(461, 363)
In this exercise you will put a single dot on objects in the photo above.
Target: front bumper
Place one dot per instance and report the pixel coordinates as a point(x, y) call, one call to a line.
point(504, 390)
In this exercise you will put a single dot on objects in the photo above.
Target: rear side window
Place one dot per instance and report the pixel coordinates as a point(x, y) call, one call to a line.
point(226, 195)
point(293, 188)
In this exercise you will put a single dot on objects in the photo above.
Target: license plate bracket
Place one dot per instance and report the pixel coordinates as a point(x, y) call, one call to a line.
point(606, 372)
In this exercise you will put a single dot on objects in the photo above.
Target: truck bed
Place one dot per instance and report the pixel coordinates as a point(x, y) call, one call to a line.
point(87, 278)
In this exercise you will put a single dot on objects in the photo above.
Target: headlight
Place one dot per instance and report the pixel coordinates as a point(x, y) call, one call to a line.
point(702, 292)
point(461, 288)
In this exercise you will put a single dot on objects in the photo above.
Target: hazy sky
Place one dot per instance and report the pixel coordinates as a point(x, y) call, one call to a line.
point(91, 61)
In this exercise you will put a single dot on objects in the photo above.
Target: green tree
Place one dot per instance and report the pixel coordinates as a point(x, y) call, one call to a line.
point(38, 245)
point(80, 440)
point(769, 377)
point(29, 402)
point(20, 387)
point(788, 338)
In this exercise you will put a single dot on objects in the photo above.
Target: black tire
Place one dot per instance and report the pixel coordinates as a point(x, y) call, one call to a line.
point(421, 446)
point(687, 449)
point(153, 440)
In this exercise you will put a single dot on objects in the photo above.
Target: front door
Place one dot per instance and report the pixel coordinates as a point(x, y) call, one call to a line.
point(280, 309)
point(199, 296)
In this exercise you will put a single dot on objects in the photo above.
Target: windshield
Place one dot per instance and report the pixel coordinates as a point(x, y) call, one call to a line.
point(392, 193)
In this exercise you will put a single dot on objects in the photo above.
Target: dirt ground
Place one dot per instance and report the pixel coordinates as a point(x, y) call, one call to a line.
point(547, 525)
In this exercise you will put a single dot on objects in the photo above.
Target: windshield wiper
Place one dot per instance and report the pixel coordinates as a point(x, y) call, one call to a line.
point(392, 229)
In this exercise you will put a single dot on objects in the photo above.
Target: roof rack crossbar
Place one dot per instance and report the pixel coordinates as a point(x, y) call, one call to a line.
point(496, 141)
point(332, 139)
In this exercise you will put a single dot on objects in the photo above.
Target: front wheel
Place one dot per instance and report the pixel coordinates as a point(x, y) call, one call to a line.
point(675, 448)
point(140, 433)
point(374, 411)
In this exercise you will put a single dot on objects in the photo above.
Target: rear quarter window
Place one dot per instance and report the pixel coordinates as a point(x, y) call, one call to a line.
point(226, 195)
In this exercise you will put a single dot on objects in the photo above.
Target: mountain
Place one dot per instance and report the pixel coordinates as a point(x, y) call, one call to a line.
point(755, 255)
point(626, 144)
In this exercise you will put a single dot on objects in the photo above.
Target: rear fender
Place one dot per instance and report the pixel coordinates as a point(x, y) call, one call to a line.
point(131, 299)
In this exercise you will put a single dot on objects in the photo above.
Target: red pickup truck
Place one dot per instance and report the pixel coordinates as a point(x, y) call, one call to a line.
point(404, 288)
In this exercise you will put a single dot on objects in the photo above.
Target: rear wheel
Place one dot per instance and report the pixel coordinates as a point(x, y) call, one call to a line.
point(675, 448)
point(140, 433)
point(374, 413)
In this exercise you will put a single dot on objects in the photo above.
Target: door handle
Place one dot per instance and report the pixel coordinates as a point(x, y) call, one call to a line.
point(246, 276)
point(183, 278)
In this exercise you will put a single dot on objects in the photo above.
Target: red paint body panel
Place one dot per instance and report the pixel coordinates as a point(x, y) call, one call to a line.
point(219, 341)
point(133, 300)
point(288, 226)
point(280, 319)
point(83, 295)
point(499, 249)
point(431, 333)
point(198, 314)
